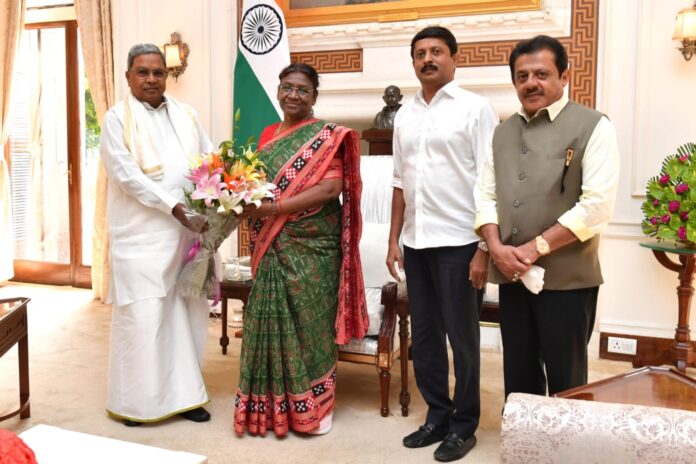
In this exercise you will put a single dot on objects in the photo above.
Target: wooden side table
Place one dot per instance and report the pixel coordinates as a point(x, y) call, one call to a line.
point(238, 290)
point(650, 386)
point(680, 352)
point(14, 328)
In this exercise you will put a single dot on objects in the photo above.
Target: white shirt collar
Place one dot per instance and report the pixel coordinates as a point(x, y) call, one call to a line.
point(448, 89)
point(553, 109)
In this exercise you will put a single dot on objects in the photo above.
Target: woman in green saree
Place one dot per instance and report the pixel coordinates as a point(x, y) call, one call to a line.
point(308, 292)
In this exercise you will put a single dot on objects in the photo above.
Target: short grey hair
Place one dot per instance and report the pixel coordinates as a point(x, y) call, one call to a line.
point(144, 49)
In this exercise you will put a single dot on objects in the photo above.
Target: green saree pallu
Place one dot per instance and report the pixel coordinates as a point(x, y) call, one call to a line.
point(308, 292)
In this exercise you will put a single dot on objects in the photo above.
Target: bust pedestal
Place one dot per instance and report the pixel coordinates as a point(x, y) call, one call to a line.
point(379, 141)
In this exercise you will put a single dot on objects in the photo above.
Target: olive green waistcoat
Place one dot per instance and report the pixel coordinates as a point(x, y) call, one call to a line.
point(529, 163)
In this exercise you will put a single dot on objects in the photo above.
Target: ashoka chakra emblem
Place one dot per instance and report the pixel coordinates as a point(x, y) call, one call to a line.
point(262, 29)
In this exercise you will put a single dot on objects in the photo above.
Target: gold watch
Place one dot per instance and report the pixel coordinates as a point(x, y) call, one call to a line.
point(542, 246)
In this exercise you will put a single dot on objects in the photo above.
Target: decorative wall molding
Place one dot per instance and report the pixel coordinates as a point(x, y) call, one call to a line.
point(581, 45)
point(243, 239)
point(553, 18)
point(331, 61)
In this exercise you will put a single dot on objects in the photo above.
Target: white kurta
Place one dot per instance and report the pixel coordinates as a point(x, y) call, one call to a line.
point(157, 336)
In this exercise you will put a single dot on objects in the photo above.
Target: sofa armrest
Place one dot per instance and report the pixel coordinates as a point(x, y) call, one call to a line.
point(385, 345)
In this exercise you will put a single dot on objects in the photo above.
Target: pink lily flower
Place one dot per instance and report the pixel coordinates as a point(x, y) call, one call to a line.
point(208, 189)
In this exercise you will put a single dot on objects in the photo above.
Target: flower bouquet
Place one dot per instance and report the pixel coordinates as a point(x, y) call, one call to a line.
point(671, 199)
point(223, 183)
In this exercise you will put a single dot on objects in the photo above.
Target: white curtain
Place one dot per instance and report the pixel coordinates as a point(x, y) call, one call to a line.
point(94, 20)
point(11, 26)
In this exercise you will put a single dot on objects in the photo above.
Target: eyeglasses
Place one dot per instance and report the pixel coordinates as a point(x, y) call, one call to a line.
point(144, 73)
point(287, 89)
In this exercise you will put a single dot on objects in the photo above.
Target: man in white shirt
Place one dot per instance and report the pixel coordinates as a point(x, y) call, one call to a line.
point(544, 194)
point(157, 336)
point(440, 142)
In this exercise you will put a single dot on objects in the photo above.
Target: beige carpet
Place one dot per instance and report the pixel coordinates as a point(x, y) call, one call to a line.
point(68, 344)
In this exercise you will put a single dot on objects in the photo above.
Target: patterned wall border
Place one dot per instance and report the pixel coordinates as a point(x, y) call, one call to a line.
point(332, 61)
point(581, 46)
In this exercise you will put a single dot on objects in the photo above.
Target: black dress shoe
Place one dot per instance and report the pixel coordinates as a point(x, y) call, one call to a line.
point(454, 447)
point(196, 415)
point(426, 435)
point(131, 423)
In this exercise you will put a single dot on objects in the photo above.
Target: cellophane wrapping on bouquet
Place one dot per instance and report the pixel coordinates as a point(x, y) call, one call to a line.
point(201, 274)
point(223, 183)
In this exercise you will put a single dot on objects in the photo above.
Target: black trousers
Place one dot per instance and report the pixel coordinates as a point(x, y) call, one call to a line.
point(545, 336)
point(443, 306)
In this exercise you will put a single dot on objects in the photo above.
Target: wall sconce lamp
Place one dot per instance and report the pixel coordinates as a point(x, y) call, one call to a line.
point(685, 31)
point(176, 55)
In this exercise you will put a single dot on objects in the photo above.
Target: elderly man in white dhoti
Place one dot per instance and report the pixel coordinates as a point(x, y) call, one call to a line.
point(157, 335)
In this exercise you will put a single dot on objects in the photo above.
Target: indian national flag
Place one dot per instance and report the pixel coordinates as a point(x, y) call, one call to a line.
point(262, 53)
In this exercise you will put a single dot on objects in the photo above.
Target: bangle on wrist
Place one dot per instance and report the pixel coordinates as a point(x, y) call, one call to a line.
point(274, 208)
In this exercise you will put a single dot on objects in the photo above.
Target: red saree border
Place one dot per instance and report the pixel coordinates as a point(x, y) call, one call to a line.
point(301, 413)
point(317, 154)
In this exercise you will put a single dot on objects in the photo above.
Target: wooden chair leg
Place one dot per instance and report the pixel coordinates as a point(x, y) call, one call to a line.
point(384, 381)
point(404, 396)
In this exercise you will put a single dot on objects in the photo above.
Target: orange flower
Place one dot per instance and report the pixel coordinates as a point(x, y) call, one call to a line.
point(216, 162)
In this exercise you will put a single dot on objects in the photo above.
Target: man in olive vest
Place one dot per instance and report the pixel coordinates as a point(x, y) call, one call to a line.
point(547, 189)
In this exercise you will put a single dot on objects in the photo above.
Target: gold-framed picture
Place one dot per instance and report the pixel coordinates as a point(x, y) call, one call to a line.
point(300, 13)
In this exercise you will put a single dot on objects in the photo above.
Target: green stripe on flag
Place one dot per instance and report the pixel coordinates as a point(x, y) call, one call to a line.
point(256, 110)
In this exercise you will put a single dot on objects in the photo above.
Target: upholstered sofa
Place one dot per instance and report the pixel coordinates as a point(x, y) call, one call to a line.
point(539, 429)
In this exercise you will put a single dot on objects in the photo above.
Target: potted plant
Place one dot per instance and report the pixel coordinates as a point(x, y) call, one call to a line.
point(669, 207)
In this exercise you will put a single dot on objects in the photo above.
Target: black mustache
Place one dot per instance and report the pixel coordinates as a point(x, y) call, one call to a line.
point(429, 67)
point(533, 92)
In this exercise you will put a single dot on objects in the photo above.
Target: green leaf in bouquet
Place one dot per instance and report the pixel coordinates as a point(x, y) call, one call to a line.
point(647, 208)
point(675, 222)
point(655, 189)
point(669, 194)
point(227, 146)
point(672, 166)
point(666, 233)
point(648, 228)
point(691, 233)
point(691, 222)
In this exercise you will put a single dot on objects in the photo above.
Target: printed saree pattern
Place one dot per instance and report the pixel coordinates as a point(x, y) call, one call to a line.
point(305, 272)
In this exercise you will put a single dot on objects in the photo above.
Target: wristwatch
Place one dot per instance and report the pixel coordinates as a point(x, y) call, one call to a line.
point(482, 246)
point(542, 246)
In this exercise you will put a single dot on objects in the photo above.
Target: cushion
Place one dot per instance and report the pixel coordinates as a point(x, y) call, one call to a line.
point(376, 173)
point(373, 254)
point(367, 345)
point(375, 309)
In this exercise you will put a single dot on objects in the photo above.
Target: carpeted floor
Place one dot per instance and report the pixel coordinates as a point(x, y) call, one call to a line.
point(68, 344)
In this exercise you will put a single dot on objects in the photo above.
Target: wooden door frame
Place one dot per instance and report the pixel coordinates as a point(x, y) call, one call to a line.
point(73, 273)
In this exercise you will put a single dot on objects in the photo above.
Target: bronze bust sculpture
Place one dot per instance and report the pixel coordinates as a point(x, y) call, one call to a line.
point(385, 118)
